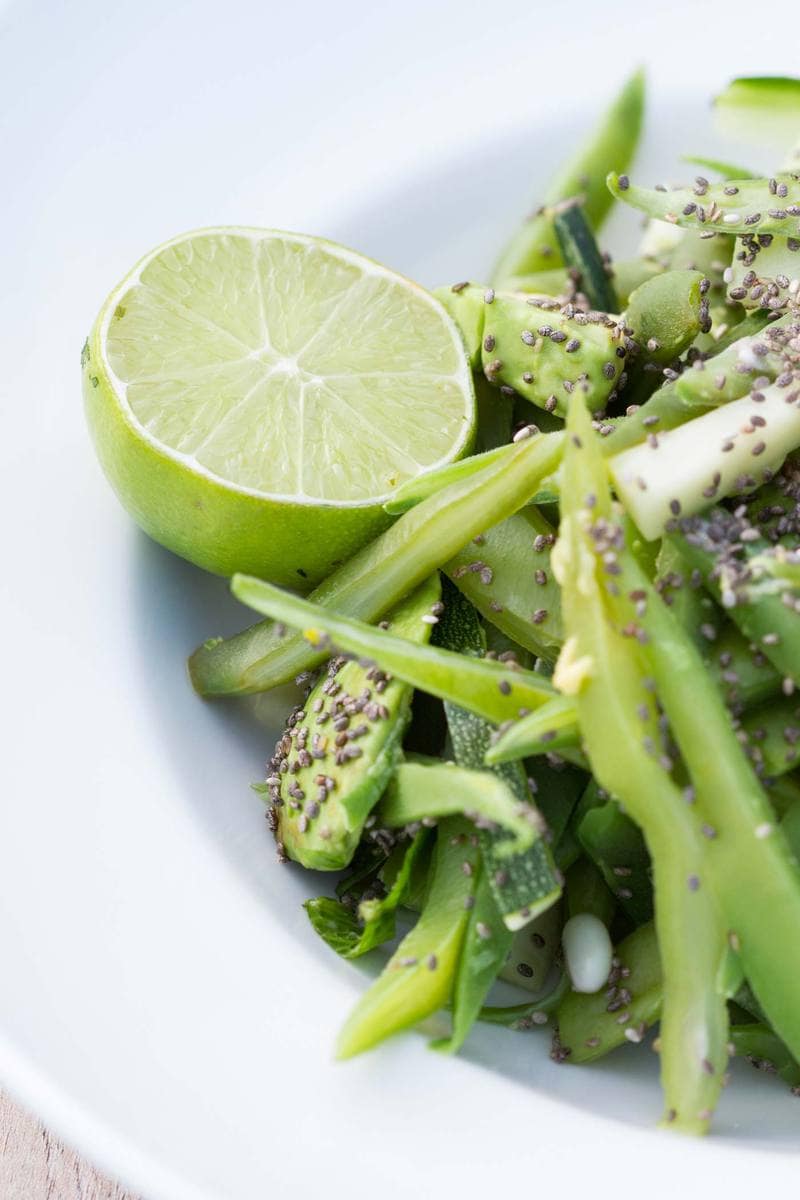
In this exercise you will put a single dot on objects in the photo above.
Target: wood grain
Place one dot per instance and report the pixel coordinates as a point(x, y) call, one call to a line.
point(34, 1166)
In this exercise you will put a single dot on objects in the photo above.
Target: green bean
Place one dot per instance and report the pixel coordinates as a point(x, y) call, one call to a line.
point(530, 1015)
point(613, 142)
point(601, 669)
point(419, 977)
point(494, 690)
point(730, 373)
point(748, 865)
point(486, 945)
point(754, 208)
point(381, 573)
point(579, 251)
point(423, 486)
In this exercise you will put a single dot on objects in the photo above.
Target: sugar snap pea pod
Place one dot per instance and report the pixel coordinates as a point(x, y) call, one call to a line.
point(626, 275)
point(612, 143)
point(715, 546)
point(419, 977)
point(505, 573)
point(765, 1050)
point(754, 208)
point(524, 885)
point(666, 314)
point(495, 690)
point(486, 944)
point(589, 1024)
point(602, 670)
point(579, 250)
point(339, 750)
point(532, 347)
point(764, 273)
point(746, 854)
point(616, 846)
point(550, 727)
point(731, 373)
point(722, 452)
point(417, 791)
point(351, 934)
point(381, 573)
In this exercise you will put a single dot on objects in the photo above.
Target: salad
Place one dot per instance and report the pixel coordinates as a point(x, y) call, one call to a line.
point(530, 549)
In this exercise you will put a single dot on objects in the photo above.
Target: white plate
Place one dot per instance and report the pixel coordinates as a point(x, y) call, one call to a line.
point(164, 1003)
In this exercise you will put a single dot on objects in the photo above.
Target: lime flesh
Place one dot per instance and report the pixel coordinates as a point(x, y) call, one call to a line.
point(255, 396)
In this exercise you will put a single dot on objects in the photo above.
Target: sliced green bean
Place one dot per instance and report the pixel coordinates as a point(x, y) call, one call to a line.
point(612, 143)
point(492, 689)
point(419, 978)
point(748, 865)
point(382, 573)
point(601, 669)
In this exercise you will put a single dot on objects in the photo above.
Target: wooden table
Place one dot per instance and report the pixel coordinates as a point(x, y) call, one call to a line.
point(33, 1166)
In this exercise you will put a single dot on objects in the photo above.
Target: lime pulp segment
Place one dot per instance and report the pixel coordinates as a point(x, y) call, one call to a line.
point(287, 366)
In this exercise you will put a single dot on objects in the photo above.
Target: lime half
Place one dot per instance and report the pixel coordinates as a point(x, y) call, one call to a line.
point(255, 396)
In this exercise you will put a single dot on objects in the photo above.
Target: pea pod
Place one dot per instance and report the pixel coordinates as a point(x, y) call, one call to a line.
point(666, 314)
point(612, 143)
point(419, 977)
point(753, 208)
point(381, 573)
point(602, 670)
point(505, 573)
point(626, 274)
point(339, 751)
point(534, 348)
point(492, 689)
point(746, 855)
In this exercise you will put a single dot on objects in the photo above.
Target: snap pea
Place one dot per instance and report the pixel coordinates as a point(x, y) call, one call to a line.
point(613, 142)
point(666, 314)
point(419, 977)
point(550, 727)
point(752, 209)
point(747, 861)
point(602, 670)
point(381, 573)
point(524, 604)
point(494, 690)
